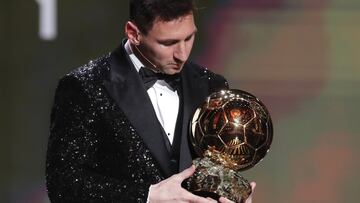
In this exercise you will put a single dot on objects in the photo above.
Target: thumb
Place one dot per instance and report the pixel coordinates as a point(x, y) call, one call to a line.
point(186, 173)
point(253, 185)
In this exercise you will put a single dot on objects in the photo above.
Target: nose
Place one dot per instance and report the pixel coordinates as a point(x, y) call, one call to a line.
point(180, 52)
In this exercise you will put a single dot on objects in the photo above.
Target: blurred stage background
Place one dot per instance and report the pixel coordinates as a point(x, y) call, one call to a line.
point(301, 57)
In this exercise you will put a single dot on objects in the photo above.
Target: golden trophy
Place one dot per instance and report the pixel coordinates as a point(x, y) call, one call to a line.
point(231, 132)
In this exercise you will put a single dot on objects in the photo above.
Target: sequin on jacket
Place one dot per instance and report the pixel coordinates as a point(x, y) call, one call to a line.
point(105, 143)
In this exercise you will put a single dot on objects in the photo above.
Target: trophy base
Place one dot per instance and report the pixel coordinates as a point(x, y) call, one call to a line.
point(214, 180)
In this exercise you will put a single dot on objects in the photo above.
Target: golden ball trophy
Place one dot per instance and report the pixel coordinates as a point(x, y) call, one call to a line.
point(231, 132)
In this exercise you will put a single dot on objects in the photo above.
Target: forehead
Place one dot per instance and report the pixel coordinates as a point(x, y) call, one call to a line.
point(177, 28)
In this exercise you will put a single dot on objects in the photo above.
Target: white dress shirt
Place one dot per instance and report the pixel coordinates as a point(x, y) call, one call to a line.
point(163, 98)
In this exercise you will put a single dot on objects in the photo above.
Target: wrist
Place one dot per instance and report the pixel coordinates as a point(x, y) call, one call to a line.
point(149, 193)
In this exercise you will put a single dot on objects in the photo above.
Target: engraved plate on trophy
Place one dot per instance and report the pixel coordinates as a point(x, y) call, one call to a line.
point(231, 132)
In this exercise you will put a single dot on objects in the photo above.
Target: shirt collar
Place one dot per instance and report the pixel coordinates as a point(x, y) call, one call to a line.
point(134, 59)
point(137, 63)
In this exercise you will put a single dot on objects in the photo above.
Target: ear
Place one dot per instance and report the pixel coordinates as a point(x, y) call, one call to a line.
point(132, 33)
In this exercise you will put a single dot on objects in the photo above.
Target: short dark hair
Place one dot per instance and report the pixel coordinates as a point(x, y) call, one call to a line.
point(144, 12)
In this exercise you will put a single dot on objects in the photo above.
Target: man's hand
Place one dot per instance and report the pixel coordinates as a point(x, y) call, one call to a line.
point(248, 200)
point(170, 190)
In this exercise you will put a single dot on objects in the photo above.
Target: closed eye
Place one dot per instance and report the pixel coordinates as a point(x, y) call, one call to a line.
point(170, 42)
point(189, 37)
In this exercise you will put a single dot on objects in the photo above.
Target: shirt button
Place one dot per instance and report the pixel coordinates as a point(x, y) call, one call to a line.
point(160, 94)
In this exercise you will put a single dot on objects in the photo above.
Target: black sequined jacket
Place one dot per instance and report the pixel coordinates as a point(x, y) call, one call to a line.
point(105, 141)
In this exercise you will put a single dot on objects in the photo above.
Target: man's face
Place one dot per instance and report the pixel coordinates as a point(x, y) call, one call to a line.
point(168, 44)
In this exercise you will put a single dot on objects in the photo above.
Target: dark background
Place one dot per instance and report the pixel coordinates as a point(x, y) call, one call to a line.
point(300, 57)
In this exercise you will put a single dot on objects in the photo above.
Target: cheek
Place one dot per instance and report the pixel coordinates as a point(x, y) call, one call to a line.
point(164, 53)
point(189, 46)
point(154, 51)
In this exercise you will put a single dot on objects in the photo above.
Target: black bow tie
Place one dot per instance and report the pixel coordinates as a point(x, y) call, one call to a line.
point(149, 78)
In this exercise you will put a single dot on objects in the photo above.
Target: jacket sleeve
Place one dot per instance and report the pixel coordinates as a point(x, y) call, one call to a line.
point(217, 83)
point(71, 173)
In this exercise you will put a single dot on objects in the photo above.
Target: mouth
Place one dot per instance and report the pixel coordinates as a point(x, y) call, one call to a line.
point(175, 66)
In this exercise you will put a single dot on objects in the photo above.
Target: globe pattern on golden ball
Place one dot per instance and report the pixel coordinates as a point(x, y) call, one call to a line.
point(233, 127)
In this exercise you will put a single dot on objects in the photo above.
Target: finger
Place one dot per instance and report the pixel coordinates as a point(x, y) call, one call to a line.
point(211, 199)
point(203, 200)
point(189, 197)
point(225, 200)
point(186, 173)
point(253, 185)
point(249, 199)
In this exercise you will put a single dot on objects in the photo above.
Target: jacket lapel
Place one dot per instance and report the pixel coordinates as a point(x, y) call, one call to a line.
point(125, 87)
point(194, 92)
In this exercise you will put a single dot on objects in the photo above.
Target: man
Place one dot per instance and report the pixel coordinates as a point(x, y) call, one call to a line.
point(119, 124)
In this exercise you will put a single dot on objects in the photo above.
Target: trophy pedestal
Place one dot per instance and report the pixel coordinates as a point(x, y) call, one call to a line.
point(214, 180)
